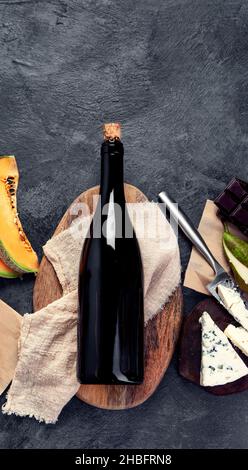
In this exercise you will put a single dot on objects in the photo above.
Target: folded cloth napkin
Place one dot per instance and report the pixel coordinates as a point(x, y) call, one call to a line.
point(199, 273)
point(10, 327)
point(45, 375)
point(158, 246)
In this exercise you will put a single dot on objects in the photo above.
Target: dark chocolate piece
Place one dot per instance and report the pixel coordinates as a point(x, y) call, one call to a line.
point(233, 204)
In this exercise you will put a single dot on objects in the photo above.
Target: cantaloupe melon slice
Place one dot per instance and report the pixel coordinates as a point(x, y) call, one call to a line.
point(6, 271)
point(15, 249)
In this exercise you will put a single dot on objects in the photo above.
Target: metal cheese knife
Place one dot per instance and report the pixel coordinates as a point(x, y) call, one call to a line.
point(221, 276)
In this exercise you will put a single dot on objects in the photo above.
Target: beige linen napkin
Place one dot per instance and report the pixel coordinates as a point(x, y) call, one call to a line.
point(158, 246)
point(199, 273)
point(45, 376)
point(10, 326)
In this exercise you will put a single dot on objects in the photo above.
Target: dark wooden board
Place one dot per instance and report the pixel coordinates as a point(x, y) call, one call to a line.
point(190, 346)
point(161, 333)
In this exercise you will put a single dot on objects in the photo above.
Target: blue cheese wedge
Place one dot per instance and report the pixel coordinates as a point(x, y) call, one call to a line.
point(220, 364)
point(238, 336)
point(234, 305)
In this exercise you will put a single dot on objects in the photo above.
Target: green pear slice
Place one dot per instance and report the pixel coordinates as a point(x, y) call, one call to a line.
point(240, 271)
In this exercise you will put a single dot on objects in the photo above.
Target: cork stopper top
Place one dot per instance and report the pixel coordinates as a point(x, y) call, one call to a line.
point(112, 131)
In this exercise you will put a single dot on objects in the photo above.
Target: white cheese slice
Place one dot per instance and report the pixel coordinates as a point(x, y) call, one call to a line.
point(234, 304)
point(220, 364)
point(238, 336)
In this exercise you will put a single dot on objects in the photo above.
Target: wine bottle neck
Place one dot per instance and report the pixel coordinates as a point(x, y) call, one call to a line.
point(112, 182)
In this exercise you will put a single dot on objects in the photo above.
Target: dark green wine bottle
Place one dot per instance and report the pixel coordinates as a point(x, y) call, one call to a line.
point(111, 310)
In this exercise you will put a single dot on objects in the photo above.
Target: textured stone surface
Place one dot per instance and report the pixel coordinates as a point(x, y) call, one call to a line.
point(174, 72)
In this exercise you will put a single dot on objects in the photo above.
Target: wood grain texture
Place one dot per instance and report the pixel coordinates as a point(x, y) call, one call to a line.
point(190, 346)
point(161, 332)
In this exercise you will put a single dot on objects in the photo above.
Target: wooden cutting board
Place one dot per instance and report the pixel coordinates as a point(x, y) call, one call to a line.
point(161, 333)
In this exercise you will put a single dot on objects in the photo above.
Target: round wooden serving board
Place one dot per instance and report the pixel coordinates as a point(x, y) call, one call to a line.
point(161, 333)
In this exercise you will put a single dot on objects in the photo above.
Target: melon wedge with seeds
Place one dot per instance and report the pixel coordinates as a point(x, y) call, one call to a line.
point(15, 249)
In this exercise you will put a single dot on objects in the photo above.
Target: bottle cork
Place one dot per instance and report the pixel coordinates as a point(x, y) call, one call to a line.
point(112, 131)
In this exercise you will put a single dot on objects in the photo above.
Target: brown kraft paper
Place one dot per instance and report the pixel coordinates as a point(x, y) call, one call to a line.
point(199, 273)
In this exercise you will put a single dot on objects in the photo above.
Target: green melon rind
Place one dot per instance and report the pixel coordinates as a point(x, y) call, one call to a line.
point(7, 259)
point(8, 275)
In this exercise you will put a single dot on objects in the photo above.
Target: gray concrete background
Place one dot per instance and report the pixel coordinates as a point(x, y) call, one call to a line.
point(174, 73)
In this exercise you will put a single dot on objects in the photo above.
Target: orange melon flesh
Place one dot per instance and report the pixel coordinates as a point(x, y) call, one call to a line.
point(12, 248)
point(6, 271)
